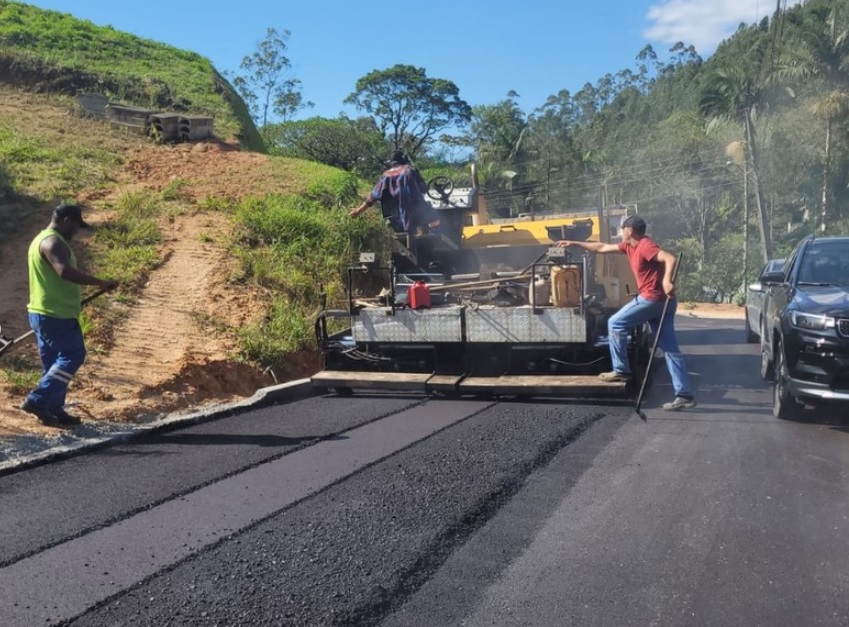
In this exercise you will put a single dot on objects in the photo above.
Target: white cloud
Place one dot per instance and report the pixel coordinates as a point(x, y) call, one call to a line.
point(704, 23)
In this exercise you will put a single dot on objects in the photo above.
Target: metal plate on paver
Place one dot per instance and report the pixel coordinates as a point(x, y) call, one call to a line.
point(408, 325)
point(544, 385)
point(444, 382)
point(520, 324)
point(408, 381)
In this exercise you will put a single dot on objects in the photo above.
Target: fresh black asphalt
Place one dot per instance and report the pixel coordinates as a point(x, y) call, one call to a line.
point(55, 502)
point(357, 550)
point(513, 513)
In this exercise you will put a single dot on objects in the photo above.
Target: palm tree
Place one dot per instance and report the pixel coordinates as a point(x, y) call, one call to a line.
point(822, 49)
point(831, 108)
point(733, 94)
point(499, 135)
point(822, 53)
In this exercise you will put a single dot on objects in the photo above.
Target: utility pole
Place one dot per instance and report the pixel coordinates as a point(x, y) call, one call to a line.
point(744, 169)
point(745, 227)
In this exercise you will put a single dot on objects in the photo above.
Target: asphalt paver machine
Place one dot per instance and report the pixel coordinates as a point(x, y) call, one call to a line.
point(485, 308)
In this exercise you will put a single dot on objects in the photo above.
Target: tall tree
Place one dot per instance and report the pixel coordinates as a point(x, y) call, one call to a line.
point(733, 93)
point(409, 107)
point(497, 130)
point(267, 87)
point(498, 135)
point(822, 54)
point(831, 108)
point(558, 160)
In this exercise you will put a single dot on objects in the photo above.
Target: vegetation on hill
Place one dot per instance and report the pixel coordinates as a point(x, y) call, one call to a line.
point(60, 53)
point(297, 247)
point(280, 250)
point(737, 156)
point(44, 160)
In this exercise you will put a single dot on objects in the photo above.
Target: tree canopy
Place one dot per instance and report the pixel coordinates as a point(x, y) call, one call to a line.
point(266, 85)
point(408, 107)
point(353, 145)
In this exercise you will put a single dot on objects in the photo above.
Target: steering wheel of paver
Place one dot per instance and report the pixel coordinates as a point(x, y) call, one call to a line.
point(440, 188)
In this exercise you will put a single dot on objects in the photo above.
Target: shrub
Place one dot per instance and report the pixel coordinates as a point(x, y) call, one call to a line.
point(298, 248)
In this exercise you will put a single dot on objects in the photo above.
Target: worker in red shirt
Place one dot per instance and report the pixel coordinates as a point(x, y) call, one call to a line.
point(653, 268)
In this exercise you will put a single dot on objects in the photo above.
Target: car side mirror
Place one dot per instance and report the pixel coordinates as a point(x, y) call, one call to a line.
point(773, 277)
point(756, 287)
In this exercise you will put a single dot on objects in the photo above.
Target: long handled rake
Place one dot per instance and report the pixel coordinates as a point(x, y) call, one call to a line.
point(7, 343)
point(654, 343)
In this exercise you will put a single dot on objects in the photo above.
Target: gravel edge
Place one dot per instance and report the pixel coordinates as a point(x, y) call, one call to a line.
point(22, 452)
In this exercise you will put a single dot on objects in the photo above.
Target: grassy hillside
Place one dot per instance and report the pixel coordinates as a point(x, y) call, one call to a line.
point(282, 223)
point(54, 52)
point(234, 249)
point(47, 155)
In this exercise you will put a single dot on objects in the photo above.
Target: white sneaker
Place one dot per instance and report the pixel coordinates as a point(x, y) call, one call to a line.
point(680, 402)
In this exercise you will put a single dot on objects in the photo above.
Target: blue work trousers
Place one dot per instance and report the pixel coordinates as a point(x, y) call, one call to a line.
point(62, 351)
point(633, 315)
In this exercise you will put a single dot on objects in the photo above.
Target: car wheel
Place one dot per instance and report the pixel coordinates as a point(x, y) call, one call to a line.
point(767, 370)
point(751, 336)
point(784, 404)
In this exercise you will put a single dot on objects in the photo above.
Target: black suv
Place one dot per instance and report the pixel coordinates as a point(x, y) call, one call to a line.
point(805, 334)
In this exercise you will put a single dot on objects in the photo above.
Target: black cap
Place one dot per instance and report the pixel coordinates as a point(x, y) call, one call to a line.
point(398, 157)
point(635, 222)
point(70, 212)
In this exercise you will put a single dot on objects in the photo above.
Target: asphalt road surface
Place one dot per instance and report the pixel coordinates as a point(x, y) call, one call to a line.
point(402, 511)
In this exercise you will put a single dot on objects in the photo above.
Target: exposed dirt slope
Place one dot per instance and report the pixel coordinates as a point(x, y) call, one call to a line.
point(165, 355)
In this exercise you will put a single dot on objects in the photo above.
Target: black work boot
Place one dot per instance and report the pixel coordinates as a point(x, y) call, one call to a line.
point(42, 413)
point(65, 418)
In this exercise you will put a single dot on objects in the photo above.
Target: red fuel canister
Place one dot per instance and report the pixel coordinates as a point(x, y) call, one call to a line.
point(418, 295)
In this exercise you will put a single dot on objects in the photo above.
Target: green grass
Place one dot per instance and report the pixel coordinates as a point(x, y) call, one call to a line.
point(213, 203)
point(20, 373)
point(174, 190)
point(287, 330)
point(126, 249)
point(36, 162)
point(296, 248)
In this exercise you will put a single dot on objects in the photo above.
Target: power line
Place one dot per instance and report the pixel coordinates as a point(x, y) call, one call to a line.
point(619, 179)
point(541, 162)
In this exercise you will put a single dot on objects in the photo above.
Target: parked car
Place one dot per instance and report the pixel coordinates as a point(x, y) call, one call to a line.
point(805, 336)
point(755, 300)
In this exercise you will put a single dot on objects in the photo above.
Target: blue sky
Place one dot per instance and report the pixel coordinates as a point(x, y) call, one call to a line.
point(486, 47)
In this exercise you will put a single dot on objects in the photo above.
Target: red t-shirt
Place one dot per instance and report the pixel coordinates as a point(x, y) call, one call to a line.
point(649, 271)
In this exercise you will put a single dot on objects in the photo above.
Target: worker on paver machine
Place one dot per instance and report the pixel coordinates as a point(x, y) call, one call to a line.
point(401, 192)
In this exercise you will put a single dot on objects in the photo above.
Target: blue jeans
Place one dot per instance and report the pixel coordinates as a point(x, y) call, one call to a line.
point(634, 314)
point(62, 351)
